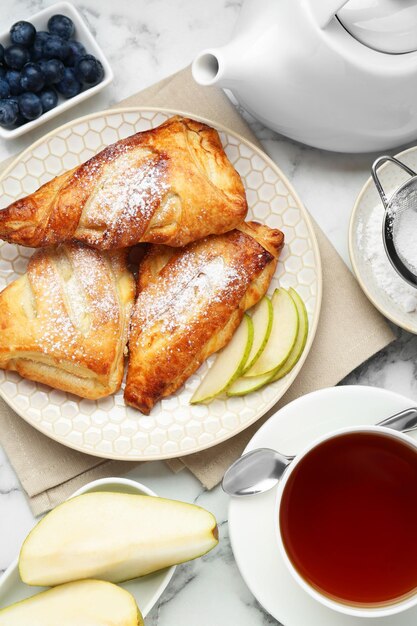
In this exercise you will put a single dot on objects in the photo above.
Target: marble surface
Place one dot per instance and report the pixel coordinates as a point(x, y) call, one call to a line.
point(159, 37)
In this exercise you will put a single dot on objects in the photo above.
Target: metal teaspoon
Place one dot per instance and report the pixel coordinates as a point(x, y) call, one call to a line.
point(260, 470)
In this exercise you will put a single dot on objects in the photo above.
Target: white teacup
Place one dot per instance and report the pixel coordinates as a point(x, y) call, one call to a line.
point(390, 608)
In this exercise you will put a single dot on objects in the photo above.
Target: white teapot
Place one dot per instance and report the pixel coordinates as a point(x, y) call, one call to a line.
point(335, 74)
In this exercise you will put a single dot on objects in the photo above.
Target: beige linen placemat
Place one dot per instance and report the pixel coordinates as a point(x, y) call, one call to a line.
point(350, 331)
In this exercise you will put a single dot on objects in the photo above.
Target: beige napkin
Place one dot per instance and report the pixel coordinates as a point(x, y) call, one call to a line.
point(350, 331)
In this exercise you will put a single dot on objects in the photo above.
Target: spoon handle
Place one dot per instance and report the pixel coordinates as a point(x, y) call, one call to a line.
point(404, 421)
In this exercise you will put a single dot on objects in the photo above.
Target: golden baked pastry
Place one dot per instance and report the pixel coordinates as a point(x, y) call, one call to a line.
point(189, 304)
point(172, 185)
point(65, 322)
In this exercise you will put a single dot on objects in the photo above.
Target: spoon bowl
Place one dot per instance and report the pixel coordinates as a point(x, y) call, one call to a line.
point(255, 472)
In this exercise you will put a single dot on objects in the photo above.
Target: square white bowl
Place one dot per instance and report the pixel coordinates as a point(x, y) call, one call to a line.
point(83, 35)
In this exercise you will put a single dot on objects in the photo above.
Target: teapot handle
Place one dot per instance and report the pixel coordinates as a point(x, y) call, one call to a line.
point(324, 10)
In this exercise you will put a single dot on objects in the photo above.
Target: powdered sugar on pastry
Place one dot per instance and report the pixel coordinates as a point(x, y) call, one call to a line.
point(77, 299)
point(57, 332)
point(100, 296)
point(130, 199)
point(212, 283)
point(209, 280)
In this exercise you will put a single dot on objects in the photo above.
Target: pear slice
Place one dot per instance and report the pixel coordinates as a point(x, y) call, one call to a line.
point(115, 537)
point(262, 323)
point(81, 603)
point(243, 385)
point(282, 338)
point(300, 342)
point(228, 365)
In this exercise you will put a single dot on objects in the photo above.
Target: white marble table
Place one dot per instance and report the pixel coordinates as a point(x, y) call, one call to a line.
point(159, 37)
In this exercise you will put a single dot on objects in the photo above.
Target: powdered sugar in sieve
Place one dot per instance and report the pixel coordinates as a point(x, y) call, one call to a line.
point(399, 231)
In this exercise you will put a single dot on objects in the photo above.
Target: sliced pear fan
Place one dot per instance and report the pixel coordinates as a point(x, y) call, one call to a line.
point(245, 385)
point(262, 323)
point(300, 342)
point(280, 329)
point(282, 338)
point(228, 365)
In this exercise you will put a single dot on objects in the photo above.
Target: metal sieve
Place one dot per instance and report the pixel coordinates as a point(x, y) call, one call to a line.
point(403, 199)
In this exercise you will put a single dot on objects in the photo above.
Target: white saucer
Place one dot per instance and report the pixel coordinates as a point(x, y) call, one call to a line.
point(251, 520)
point(391, 177)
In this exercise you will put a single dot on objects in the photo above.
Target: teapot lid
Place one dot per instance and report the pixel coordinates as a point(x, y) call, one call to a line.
point(385, 25)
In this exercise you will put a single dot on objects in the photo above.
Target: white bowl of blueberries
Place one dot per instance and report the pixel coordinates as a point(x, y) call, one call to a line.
point(48, 63)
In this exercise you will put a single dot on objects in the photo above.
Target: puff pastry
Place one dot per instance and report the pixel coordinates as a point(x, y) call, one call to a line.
point(189, 304)
point(171, 185)
point(65, 322)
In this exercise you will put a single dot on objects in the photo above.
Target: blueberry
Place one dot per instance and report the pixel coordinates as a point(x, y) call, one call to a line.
point(76, 50)
point(69, 86)
point(13, 78)
point(2, 72)
point(32, 78)
point(4, 88)
point(16, 56)
point(36, 51)
point(1, 54)
point(54, 47)
point(53, 70)
point(30, 106)
point(20, 119)
point(61, 25)
point(8, 113)
point(23, 33)
point(49, 99)
point(89, 70)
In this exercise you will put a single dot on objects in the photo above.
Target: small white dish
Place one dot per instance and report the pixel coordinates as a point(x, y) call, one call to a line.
point(252, 523)
point(146, 590)
point(83, 35)
point(391, 177)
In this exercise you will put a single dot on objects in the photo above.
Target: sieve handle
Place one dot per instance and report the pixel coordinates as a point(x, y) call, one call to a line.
point(378, 185)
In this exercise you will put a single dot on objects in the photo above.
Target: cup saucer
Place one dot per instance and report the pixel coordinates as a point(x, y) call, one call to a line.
point(251, 519)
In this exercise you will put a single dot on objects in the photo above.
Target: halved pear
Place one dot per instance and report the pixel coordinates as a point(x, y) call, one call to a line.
point(228, 365)
point(81, 603)
point(300, 342)
point(262, 323)
point(282, 338)
point(115, 537)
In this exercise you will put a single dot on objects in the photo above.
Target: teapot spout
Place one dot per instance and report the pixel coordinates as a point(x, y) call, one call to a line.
point(217, 66)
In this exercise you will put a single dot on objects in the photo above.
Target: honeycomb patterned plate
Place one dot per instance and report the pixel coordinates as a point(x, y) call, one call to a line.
point(108, 428)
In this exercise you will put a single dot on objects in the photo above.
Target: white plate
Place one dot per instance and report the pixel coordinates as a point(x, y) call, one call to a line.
point(83, 35)
point(251, 520)
point(146, 590)
point(108, 428)
point(391, 178)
